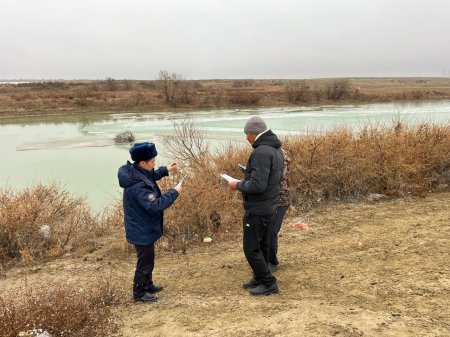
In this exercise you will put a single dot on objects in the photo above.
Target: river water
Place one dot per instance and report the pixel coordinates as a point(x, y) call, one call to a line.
point(79, 153)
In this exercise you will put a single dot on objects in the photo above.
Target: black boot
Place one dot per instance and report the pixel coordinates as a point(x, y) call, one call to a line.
point(273, 267)
point(263, 289)
point(146, 297)
point(251, 284)
point(154, 288)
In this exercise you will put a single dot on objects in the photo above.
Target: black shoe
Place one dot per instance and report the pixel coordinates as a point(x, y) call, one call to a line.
point(273, 267)
point(146, 297)
point(154, 288)
point(251, 284)
point(263, 289)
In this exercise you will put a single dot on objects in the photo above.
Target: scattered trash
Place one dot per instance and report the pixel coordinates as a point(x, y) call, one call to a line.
point(207, 239)
point(45, 231)
point(34, 333)
point(299, 225)
point(376, 196)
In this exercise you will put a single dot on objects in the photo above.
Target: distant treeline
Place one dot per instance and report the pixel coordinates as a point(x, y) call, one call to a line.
point(171, 90)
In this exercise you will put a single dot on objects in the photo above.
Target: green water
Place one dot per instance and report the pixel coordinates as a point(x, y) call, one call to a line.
point(78, 151)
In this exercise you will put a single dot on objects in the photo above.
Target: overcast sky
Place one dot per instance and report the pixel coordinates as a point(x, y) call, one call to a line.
point(204, 39)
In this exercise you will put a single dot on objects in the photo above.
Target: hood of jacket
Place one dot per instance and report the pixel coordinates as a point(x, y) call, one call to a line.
point(129, 175)
point(267, 138)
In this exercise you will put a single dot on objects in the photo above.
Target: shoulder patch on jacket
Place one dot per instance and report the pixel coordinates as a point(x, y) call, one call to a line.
point(151, 197)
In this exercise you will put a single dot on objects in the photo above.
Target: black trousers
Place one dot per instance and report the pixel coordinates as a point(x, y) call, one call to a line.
point(144, 268)
point(273, 235)
point(256, 245)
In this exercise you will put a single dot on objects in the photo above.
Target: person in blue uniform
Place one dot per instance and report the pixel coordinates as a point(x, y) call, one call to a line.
point(143, 205)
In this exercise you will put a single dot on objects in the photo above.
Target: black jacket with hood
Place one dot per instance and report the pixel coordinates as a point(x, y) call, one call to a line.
point(263, 174)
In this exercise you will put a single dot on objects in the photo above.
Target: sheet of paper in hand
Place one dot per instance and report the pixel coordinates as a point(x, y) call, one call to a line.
point(226, 177)
point(180, 183)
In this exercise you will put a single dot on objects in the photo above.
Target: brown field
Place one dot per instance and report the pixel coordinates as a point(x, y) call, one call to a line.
point(372, 268)
point(63, 97)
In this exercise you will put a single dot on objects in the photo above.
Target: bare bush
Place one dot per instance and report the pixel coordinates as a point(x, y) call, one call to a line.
point(189, 142)
point(206, 207)
point(42, 222)
point(174, 88)
point(242, 83)
point(82, 95)
point(153, 85)
point(62, 310)
point(394, 160)
point(338, 89)
point(139, 99)
point(297, 92)
point(213, 97)
point(111, 84)
point(244, 97)
point(127, 85)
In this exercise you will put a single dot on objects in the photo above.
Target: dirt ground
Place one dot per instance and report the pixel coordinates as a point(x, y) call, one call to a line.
point(374, 268)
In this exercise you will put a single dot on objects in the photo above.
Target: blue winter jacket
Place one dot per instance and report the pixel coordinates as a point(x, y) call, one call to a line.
point(143, 203)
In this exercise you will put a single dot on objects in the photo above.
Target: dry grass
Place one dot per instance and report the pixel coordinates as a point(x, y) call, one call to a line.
point(393, 160)
point(44, 222)
point(206, 206)
point(62, 310)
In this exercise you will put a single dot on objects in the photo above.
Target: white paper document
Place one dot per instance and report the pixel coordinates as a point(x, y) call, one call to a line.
point(226, 177)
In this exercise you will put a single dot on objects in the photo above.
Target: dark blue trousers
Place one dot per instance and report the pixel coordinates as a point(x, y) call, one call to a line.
point(144, 268)
point(273, 235)
point(256, 245)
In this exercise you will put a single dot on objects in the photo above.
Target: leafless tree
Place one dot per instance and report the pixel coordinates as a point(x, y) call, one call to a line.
point(189, 142)
point(297, 92)
point(338, 89)
point(111, 84)
point(242, 83)
point(172, 87)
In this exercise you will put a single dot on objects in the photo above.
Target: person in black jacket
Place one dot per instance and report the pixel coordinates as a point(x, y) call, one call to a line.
point(143, 205)
point(260, 192)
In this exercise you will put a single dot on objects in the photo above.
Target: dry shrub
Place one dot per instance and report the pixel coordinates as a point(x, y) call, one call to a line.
point(244, 97)
point(243, 83)
point(338, 89)
point(206, 206)
point(297, 92)
point(62, 310)
point(394, 160)
point(340, 164)
point(112, 218)
point(43, 222)
point(111, 226)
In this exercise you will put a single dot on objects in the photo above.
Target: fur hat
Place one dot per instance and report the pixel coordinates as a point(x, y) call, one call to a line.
point(143, 151)
point(255, 125)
